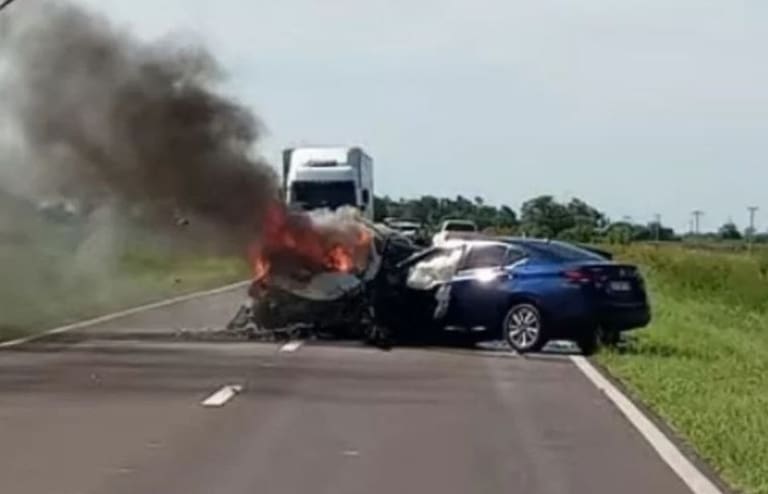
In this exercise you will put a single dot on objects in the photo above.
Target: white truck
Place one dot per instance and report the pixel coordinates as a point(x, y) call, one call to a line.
point(328, 178)
point(454, 229)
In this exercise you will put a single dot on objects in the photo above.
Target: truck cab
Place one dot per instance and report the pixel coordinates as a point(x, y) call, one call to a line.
point(328, 178)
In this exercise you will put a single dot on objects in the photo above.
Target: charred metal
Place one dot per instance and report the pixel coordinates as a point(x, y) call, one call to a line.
point(367, 304)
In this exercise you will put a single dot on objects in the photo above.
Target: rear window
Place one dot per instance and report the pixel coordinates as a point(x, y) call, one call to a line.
point(562, 252)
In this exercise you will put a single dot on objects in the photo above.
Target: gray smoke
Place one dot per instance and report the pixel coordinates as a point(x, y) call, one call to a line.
point(91, 113)
point(137, 158)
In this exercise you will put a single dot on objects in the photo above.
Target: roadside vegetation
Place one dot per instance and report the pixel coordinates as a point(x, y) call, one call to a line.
point(703, 363)
point(60, 270)
point(546, 217)
point(43, 298)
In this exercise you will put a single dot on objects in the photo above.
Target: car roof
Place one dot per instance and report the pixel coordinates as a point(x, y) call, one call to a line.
point(551, 247)
point(475, 242)
point(528, 241)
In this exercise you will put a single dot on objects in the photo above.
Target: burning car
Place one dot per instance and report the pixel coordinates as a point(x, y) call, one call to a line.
point(320, 270)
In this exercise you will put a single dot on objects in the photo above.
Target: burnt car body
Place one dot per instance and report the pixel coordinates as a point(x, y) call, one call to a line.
point(336, 303)
point(525, 291)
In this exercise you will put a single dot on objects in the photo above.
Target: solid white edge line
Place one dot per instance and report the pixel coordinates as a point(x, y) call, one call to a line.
point(120, 314)
point(677, 461)
point(222, 396)
point(291, 346)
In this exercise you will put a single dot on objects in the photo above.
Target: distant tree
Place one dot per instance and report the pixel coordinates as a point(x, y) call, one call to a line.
point(729, 231)
point(584, 214)
point(761, 238)
point(507, 218)
point(620, 233)
point(430, 210)
point(660, 232)
point(540, 216)
point(579, 233)
point(544, 216)
point(381, 208)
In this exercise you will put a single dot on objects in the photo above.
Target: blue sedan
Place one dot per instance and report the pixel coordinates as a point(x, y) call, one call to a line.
point(527, 292)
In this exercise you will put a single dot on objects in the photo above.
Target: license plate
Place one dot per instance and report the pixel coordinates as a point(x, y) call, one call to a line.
point(620, 286)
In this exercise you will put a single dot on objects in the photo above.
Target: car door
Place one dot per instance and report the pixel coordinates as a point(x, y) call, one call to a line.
point(476, 292)
point(422, 297)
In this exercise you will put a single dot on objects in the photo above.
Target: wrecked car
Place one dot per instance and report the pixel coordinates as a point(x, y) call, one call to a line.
point(332, 301)
point(524, 291)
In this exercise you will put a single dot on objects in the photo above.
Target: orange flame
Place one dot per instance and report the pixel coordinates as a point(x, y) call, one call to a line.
point(294, 240)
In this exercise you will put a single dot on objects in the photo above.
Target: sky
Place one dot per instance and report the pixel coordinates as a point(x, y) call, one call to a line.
point(636, 106)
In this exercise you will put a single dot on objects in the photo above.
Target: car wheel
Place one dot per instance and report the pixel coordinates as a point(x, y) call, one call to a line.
point(588, 342)
point(610, 338)
point(523, 328)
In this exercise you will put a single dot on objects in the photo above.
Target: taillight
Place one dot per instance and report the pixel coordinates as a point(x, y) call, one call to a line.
point(578, 276)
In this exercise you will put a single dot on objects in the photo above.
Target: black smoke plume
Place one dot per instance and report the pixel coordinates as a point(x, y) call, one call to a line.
point(105, 118)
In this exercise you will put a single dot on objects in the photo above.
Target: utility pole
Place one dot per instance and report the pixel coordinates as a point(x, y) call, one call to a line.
point(697, 214)
point(751, 234)
point(657, 222)
point(752, 210)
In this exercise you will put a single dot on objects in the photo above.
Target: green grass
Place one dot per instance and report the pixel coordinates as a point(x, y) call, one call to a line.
point(130, 284)
point(49, 280)
point(55, 272)
point(703, 363)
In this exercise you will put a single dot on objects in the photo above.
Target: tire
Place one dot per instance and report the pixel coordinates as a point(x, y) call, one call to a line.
point(379, 337)
point(523, 328)
point(609, 338)
point(588, 342)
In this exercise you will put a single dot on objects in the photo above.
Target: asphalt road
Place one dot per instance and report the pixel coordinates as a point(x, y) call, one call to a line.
point(117, 409)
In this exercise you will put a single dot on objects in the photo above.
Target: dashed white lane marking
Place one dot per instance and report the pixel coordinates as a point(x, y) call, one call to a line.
point(682, 466)
point(123, 313)
point(291, 346)
point(222, 396)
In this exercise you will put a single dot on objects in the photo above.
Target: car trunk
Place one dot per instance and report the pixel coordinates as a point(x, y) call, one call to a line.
point(613, 284)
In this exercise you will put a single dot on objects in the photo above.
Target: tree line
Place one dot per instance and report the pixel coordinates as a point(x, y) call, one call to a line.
point(543, 217)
